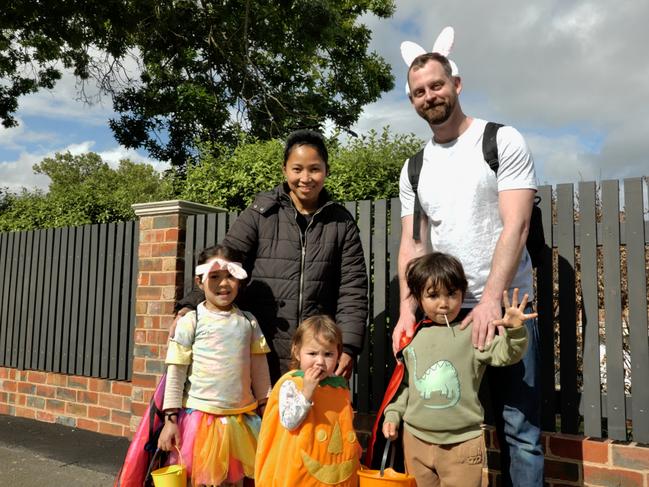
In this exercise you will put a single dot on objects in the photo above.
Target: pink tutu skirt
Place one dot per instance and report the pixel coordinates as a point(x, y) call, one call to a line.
point(217, 449)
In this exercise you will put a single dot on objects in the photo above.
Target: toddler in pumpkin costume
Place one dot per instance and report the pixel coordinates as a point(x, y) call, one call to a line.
point(307, 436)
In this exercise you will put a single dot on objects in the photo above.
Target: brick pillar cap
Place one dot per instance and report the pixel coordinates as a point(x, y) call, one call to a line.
point(174, 207)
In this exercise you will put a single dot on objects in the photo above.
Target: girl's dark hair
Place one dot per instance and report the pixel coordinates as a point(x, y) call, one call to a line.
point(320, 327)
point(223, 251)
point(306, 137)
point(438, 268)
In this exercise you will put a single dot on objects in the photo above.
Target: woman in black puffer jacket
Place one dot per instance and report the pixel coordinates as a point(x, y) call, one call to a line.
point(303, 255)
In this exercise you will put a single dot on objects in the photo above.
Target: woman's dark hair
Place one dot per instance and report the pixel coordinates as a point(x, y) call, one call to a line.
point(306, 137)
point(320, 327)
point(438, 268)
point(227, 253)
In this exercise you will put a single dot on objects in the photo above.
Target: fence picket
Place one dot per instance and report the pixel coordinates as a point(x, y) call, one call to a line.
point(127, 304)
point(616, 407)
point(92, 301)
point(107, 297)
point(591, 397)
point(34, 273)
point(567, 308)
point(5, 283)
point(76, 290)
point(115, 322)
point(545, 307)
point(190, 245)
point(27, 304)
point(60, 297)
point(67, 308)
point(379, 309)
point(14, 301)
point(363, 365)
point(85, 326)
point(636, 265)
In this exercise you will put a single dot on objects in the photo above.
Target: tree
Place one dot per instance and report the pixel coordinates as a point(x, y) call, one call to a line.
point(363, 168)
point(208, 68)
point(83, 189)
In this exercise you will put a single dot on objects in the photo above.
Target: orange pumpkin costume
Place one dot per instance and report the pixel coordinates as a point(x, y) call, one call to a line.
point(323, 450)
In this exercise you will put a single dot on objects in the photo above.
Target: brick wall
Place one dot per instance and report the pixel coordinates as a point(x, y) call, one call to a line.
point(579, 461)
point(115, 408)
point(97, 405)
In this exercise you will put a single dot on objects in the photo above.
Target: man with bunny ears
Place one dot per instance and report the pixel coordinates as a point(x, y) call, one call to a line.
point(482, 218)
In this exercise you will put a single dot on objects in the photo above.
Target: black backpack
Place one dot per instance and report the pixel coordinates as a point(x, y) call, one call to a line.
point(535, 238)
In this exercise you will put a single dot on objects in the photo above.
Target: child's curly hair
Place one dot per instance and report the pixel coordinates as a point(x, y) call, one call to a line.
point(320, 327)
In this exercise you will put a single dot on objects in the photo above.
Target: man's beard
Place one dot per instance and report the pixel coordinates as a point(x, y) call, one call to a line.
point(439, 113)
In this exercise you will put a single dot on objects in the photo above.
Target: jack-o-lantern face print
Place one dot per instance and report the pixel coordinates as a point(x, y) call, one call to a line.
point(337, 451)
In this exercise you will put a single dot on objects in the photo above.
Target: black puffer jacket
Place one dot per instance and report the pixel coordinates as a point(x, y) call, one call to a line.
point(292, 280)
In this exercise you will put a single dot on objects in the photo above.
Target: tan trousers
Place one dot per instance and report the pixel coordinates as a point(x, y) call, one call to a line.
point(454, 465)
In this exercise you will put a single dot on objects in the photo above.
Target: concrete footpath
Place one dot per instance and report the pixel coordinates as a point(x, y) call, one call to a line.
point(36, 454)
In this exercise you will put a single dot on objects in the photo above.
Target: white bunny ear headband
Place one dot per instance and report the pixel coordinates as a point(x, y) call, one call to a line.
point(443, 45)
point(216, 264)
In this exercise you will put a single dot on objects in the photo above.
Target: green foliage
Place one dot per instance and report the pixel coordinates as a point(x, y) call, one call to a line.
point(367, 167)
point(232, 178)
point(83, 189)
point(208, 69)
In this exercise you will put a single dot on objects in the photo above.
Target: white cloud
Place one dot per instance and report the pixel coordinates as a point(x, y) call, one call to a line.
point(18, 173)
point(118, 153)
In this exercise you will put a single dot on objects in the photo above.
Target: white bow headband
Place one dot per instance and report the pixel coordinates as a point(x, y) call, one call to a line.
point(443, 45)
point(217, 264)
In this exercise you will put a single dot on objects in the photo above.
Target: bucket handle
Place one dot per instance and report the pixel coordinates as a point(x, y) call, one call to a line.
point(158, 450)
point(384, 458)
point(180, 456)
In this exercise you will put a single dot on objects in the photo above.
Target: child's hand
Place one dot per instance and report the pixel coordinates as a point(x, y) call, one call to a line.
point(390, 430)
point(514, 314)
point(169, 436)
point(312, 376)
point(260, 410)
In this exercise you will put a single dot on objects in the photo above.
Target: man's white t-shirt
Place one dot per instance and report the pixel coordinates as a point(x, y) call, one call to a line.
point(459, 193)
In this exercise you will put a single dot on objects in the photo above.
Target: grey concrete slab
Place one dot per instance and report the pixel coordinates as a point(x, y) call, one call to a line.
point(33, 453)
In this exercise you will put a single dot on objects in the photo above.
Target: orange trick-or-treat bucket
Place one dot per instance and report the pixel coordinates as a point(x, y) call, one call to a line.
point(385, 477)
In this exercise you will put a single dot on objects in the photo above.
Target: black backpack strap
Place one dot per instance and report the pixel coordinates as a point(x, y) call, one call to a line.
point(414, 168)
point(490, 146)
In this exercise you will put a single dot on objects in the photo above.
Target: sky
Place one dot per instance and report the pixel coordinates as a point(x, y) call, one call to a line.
point(571, 75)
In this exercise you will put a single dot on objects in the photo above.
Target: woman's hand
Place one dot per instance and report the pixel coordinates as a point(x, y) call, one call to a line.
point(345, 366)
point(172, 329)
point(514, 314)
point(390, 430)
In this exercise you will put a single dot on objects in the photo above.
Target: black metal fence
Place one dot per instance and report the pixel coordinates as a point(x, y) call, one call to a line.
point(67, 299)
point(591, 295)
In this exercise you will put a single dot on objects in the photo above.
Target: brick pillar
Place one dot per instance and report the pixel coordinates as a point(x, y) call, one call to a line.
point(160, 284)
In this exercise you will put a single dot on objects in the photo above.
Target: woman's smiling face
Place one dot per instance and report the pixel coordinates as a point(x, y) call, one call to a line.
point(305, 173)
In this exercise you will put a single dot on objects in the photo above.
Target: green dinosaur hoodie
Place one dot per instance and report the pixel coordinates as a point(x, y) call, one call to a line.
point(438, 398)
